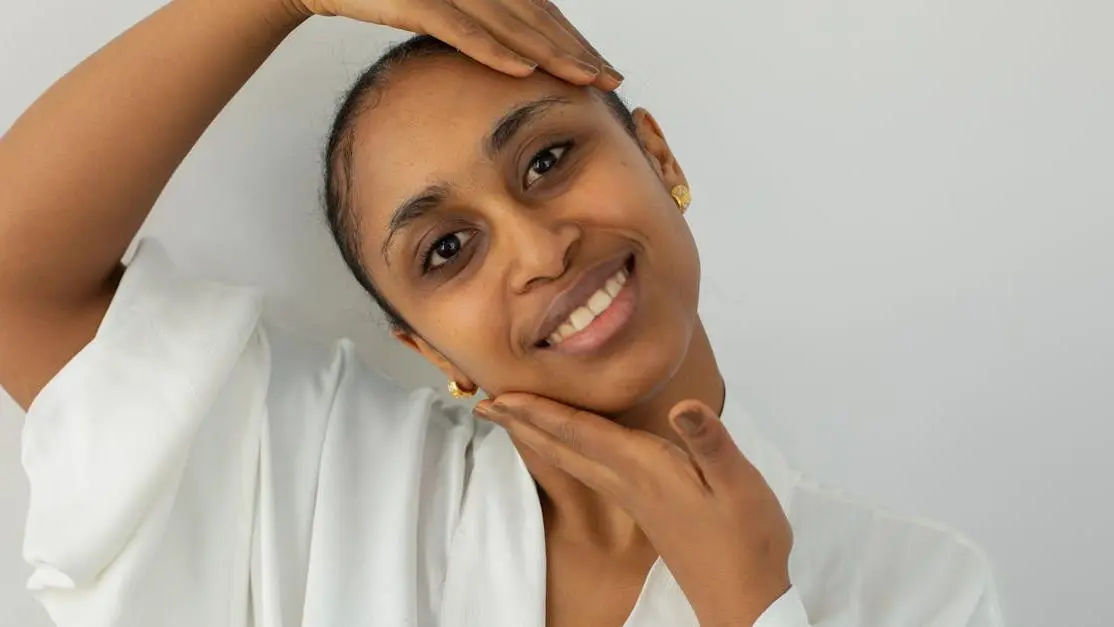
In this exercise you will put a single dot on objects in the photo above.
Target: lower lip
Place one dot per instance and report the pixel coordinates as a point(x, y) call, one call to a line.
point(606, 325)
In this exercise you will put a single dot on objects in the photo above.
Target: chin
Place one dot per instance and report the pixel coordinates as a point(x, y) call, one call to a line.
point(628, 380)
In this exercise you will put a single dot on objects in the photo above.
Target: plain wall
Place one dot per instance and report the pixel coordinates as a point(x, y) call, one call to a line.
point(904, 212)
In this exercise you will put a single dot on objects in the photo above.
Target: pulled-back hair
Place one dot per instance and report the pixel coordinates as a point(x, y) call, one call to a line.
point(341, 216)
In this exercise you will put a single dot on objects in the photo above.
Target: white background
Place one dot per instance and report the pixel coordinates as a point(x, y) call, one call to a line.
point(903, 209)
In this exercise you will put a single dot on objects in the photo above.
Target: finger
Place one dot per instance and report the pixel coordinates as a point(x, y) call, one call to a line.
point(505, 26)
point(589, 435)
point(556, 453)
point(459, 30)
point(560, 18)
point(544, 17)
point(712, 448)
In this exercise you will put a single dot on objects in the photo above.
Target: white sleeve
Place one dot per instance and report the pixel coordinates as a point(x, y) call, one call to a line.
point(787, 611)
point(987, 611)
point(142, 456)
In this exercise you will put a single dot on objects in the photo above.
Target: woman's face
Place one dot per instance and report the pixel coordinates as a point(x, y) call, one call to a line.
point(527, 238)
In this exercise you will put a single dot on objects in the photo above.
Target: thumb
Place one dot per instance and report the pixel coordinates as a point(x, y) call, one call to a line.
point(711, 446)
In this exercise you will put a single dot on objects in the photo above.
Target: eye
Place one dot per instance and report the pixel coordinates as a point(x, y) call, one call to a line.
point(543, 162)
point(446, 249)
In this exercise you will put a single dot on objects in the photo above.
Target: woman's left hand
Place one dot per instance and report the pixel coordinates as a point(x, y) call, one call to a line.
point(708, 512)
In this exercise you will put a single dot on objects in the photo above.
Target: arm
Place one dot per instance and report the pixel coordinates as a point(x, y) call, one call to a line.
point(82, 168)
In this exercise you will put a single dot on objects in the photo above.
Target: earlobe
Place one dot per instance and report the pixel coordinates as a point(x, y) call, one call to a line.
point(415, 343)
point(657, 149)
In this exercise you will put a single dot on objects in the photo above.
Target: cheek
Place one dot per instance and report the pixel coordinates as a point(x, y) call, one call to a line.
point(630, 196)
point(464, 326)
point(621, 191)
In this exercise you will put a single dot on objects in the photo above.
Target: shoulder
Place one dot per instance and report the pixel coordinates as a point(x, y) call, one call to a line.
point(324, 399)
point(858, 562)
point(328, 377)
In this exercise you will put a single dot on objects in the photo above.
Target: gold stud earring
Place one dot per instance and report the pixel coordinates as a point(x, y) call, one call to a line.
point(457, 392)
point(682, 196)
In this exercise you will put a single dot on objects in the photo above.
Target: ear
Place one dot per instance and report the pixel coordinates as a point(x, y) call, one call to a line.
point(657, 150)
point(434, 356)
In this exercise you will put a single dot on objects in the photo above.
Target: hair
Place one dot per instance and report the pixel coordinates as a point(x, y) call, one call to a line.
point(341, 216)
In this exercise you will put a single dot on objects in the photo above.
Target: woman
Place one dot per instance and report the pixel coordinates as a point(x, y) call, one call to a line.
point(191, 466)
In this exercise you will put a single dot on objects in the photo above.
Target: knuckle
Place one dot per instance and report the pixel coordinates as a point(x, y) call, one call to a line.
point(465, 26)
point(539, 12)
point(552, 457)
point(631, 456)
point(568, 433)
point(663, 448)
point(549, 52)
point(650, 491)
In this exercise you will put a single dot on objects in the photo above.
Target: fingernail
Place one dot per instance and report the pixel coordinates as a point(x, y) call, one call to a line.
point(495, 412)
point(691, 421)
point(588, 68)
point(614, 74)
point(528, 64)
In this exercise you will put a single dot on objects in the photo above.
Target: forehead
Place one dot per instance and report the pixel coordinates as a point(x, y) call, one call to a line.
point(428, 124)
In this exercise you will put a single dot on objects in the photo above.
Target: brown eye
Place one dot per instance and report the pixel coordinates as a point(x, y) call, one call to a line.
point(543, 162)
point(446, 249)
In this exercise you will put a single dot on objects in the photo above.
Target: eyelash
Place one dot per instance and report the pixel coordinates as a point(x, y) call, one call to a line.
point(427, 257)
point(566, 146)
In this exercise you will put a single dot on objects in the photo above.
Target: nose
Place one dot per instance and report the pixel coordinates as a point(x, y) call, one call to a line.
point(540, 247)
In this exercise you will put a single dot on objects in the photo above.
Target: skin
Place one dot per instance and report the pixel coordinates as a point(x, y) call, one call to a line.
point(477, 315)
point(137, 106)
point(525, 223)
point(623, 487)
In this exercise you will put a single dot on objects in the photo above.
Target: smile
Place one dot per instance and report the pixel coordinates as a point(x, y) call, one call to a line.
point(587, 315)
point(598, 303)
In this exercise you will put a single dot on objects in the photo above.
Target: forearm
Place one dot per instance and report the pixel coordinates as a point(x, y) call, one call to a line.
point(81, 169)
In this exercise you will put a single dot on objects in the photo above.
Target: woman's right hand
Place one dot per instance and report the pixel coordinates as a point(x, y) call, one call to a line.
point(511, 36)
point(709, 513)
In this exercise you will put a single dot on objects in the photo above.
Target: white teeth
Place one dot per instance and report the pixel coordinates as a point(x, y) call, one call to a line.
point(597, 303)
point(581, 318)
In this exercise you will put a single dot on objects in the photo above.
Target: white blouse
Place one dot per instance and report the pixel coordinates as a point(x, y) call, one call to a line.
point(194, 466)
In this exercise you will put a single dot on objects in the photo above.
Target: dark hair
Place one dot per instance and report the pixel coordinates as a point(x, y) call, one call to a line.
point(338, 153)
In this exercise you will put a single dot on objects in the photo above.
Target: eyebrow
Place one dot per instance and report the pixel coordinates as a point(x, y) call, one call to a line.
point(504, 130)
point(521, 116)
point(412, 210)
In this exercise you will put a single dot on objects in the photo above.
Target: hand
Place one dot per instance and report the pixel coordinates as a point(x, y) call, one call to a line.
point(708, 512)
point(511, 36)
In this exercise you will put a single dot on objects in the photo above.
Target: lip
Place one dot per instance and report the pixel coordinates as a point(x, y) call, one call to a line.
point(577, 294)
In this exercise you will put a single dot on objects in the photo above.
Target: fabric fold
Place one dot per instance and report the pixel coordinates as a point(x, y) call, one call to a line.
point(107, 441)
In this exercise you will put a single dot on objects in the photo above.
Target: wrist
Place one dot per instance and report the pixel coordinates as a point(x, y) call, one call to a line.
point(285, 15)
point(296, 9)
point(739, 610)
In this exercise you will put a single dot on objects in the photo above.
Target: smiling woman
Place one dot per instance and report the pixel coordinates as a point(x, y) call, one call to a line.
point(524, 231)
point(508, 207)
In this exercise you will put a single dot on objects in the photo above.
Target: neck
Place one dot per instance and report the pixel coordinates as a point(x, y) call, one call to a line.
point(577, 512)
